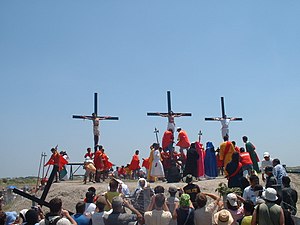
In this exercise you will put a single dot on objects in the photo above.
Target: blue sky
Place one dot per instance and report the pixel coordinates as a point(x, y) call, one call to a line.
point(55, 54)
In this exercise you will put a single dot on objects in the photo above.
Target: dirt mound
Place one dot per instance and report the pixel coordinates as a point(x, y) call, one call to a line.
point(73, 191)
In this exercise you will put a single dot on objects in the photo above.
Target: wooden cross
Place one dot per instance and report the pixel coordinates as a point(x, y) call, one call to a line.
point(170, 114)
point(41, 201)
point(224, 120)
point(96, 120)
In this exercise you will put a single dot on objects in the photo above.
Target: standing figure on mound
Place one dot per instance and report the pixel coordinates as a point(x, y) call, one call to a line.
point(191, 161)
point(251, 149)
point(98, 162)
point(157, 169)
point(200, 162)
point(183, 140)
point(226, 151)
point(135, 165)
point(56, 160)
point(168, 140)
point(107, 165)
point(210, 161)
point(90, 170)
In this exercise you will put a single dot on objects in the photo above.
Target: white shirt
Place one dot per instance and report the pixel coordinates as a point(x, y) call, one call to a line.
point(249, 194)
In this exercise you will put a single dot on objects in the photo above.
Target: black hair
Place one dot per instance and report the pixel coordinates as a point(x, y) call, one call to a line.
point(159, 199)
point(286, 181)
point(201, 200)
point(80, 207)
point(249, 206)
point(159, 189)
point(55, 205)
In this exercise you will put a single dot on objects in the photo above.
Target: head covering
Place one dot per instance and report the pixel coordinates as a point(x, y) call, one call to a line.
point(223, 217)
point(172, 188)
point(232, 198)
point(116, 202)
point(10, 217)
point(184, 200)
point(270, 194)
point(266, 154)
point(142, 179)
point(22, 214)
point(209, 145)
point(188, 178)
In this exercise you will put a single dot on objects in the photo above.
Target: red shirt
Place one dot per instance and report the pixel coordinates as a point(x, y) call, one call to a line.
point(89, 154)
point(245, 158)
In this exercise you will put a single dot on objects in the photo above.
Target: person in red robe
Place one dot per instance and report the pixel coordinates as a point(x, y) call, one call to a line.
point(183, 140)
point(135, 165)
point(168, 140)
point(107, 165)
point(58, 160)
point(98, 162)
point(200, 162)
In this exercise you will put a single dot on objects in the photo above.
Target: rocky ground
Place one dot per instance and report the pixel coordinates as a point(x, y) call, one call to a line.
point(73, 191)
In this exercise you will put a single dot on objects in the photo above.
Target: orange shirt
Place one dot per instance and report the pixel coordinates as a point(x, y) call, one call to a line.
point(167, 139)
point(183, 140)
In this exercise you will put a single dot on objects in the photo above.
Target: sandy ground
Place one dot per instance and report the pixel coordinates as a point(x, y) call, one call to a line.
point(73, 191)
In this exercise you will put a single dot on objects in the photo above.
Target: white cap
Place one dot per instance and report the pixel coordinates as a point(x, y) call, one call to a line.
point(232, 198)
point(266, 154)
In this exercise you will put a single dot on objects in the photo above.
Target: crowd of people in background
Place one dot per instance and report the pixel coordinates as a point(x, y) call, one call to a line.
point(255, 194)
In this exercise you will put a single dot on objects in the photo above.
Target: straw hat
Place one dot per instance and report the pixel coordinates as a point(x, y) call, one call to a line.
point(223, 217)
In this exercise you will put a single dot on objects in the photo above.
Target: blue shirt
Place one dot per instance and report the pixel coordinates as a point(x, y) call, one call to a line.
point(81, 219)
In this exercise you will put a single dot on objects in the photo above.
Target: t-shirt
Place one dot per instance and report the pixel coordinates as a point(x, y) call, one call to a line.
point(237, 214)
point(278, 172)
point(81, 219)
point(205, 214)
point(116, 218)
point(184, 217)
point(192, 190)
point(97, 218)
point(89, 209)
point(246, 220)
point(157, 217)
point(249, 194)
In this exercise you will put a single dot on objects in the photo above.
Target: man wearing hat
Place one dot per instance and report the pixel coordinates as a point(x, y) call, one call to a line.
point(223, 217)
point(267, 161)
point(269, 212)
